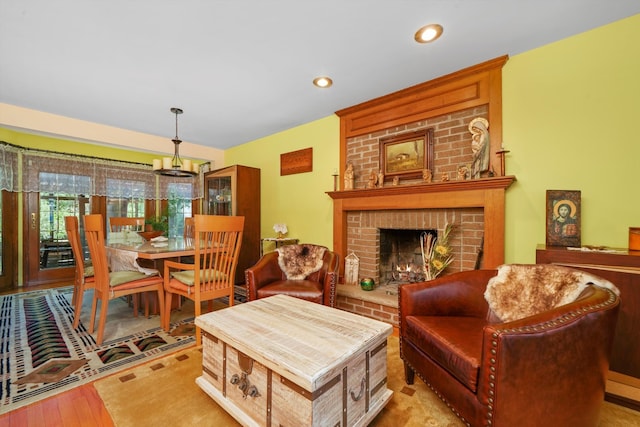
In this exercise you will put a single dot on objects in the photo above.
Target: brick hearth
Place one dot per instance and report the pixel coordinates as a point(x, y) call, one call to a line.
point(376, 304)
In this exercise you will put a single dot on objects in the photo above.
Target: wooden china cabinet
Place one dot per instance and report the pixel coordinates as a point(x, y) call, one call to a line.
point(235, 190)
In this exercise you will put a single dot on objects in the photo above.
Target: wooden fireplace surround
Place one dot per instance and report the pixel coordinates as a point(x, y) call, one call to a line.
point(471, 87)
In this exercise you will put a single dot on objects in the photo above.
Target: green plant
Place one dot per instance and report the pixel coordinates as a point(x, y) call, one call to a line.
point(158, 224)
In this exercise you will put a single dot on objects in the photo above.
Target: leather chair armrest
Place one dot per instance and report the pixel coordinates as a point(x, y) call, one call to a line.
point(265, 271)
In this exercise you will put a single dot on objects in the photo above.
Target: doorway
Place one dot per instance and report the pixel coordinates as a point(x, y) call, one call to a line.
point(47, 256)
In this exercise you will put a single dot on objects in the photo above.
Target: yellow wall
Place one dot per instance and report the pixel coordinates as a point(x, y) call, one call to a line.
point(297, 200)
point(571, 112)
point(61, 145)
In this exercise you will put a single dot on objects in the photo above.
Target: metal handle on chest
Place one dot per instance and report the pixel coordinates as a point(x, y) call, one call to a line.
point(359, 396)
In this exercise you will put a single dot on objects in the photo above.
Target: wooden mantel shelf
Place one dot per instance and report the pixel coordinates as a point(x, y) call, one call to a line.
point(501, 182)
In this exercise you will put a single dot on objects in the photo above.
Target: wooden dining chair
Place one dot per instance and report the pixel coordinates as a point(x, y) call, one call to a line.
point(189, 227)
point(188, 233)
point(84, 278)
point(121, 223)
point(111, 285)
point(212, 275)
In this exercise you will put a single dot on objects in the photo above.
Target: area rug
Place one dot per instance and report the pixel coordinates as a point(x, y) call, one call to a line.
point(168, 387)
point(43, 355)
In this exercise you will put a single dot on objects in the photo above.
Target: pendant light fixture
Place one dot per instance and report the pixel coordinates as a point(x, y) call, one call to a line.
point(176, 167)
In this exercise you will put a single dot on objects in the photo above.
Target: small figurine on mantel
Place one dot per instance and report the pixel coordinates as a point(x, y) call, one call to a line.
point(444, 177)
point(463, 172)
point(373, 179)
point(426, 176)
point(396, 181)
point(348, 177)
point(479, 128)
point(380, 179)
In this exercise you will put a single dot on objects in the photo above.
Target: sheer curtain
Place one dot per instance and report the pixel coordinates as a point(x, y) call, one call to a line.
point(9, 169)
point(44, 171)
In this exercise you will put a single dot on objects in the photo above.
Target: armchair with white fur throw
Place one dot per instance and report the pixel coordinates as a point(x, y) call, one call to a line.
point(524, 345)
point(304, 271)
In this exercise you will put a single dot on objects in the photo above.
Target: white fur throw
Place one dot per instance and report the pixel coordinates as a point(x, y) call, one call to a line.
point(298, 261)
point(519, 291)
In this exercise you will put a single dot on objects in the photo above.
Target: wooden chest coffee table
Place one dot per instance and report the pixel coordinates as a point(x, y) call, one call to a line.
point(283, 361)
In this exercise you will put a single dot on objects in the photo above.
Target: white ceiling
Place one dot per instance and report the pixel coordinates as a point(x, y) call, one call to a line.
point(242, 69)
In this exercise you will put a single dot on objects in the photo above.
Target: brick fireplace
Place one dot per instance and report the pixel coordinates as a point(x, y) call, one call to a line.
point(360, 214)
point(363, 234)
point(475, 206)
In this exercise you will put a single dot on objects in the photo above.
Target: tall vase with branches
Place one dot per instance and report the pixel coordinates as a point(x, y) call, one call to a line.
point(436, 252)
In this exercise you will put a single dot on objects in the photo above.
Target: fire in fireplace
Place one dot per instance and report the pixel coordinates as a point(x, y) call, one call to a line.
point(401, 256)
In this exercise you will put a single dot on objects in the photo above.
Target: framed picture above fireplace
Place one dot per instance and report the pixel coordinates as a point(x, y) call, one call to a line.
point(407, 155)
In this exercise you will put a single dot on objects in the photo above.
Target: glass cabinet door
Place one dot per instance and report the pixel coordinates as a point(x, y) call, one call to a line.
point(219, 195)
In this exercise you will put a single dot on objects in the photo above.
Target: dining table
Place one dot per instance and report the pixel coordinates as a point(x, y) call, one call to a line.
point(153, 249)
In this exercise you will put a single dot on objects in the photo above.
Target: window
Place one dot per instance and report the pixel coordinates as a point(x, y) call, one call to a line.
point(179, 207)
point(60, 195)
point(125, 198)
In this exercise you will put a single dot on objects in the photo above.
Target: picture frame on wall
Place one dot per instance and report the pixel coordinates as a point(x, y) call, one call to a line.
point(407, 155)
point(563, 212)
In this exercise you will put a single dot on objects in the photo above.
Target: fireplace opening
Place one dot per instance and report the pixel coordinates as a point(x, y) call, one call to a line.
point(401, 256)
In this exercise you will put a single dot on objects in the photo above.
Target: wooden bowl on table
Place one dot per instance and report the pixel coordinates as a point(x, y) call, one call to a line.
point(148, 235)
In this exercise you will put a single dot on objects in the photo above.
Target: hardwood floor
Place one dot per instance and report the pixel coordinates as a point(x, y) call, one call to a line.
point(77, 407)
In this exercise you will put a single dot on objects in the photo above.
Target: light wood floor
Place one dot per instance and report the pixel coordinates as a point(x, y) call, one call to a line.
point(77, 407)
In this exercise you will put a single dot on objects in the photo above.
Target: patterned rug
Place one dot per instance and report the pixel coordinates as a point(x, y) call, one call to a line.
point(43, 355)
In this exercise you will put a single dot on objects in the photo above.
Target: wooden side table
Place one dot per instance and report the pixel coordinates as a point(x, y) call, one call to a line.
point(278, 241)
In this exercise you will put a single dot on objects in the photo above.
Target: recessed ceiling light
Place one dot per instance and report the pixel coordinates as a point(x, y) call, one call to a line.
point(323, 82)
point(428, 33)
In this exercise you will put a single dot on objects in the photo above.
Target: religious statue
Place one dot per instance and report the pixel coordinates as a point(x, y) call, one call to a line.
point(380, 179)
point(373, 179)
point(348, 177)
point(479, 128)
point(426, 175)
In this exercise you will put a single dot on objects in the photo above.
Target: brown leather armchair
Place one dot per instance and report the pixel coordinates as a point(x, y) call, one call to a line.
point(546, 369)
point(266, 278)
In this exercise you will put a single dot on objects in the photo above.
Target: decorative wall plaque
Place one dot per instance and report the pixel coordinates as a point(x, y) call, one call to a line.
point(299, 161)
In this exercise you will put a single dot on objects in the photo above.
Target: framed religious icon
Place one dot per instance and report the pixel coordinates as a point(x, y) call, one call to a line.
point(406, 155)
point(563, 218)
